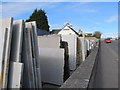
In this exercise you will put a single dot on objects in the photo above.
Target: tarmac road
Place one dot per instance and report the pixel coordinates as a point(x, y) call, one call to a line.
point(107, 69)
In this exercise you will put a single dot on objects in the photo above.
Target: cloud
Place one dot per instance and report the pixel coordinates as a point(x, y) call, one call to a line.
point(81, 7)
point(92, 29)
point(97, 23)
point(16, 9)
point(56, 26)
point(114, 35)
point(89, 10)
point(112, 19)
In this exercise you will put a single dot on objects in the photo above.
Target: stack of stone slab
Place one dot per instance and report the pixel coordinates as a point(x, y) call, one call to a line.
point(19, 55)
point(53, 59)
point(5, 43)
point(25, 63)
point(30, 57)
point(72, 45)
point(83, 48)
point(16, 67)
point(75, 45)
point(90, 44)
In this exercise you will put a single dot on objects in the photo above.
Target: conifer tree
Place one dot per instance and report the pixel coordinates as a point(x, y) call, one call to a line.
point(41, 19)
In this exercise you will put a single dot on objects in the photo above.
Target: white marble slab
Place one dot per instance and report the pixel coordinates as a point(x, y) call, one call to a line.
point(16, 42)
point(15, 54)
point(36, 54)
point(49, 41)
point(16, 75)
point(83, 47)
point(6, 39)
point(72, 46)
point(2, 35)
point(28, 59)
point(52, 65)
point(31, 57)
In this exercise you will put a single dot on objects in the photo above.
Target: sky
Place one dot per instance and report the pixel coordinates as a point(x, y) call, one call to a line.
point(87, 16)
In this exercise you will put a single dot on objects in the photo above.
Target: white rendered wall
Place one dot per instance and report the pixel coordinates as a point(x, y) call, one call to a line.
point(52, 65)
point(66, 31)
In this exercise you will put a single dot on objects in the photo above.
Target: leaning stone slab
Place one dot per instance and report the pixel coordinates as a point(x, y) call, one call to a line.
point(52, 65)
point(15, 69)
point(5, 41)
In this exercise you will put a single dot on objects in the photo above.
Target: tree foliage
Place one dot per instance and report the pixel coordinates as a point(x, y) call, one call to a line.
point(41, 19)
point(89, 35)
point(97, 34)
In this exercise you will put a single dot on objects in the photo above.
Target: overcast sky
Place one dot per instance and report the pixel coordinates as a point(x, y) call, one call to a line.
point(88, 16)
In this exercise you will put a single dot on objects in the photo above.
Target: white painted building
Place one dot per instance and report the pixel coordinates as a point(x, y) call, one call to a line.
point(68, 30)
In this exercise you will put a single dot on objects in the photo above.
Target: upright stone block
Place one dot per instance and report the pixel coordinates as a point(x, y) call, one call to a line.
point(49, 41)
point(16, 42)
point(16, 75)
point(30, 57)
point(5, 41)
point(52, 65)
point(15, 72)
point(72, 47)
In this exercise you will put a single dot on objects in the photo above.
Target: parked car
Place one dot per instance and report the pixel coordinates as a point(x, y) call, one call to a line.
point(108, 40)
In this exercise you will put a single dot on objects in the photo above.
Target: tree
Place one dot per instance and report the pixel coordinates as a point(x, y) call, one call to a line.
point(88, 35)
point(97, 34)
point(41, 19)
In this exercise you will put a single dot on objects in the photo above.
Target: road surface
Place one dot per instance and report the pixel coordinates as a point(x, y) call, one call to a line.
point(107, 69)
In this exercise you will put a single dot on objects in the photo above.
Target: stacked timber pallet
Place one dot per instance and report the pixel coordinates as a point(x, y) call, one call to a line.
point(19, 55)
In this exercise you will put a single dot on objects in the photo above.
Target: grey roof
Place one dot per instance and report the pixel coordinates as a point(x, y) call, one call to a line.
point(55, 31)
point(73, 30)
point(41, 32)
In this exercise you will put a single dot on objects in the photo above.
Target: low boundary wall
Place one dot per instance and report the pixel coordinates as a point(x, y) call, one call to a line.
point(84, 75)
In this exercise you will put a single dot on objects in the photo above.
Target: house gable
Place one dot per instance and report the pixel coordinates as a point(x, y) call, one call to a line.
point(66, 30)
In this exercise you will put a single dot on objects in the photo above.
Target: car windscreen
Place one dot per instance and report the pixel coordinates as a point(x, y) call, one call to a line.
point(108, 39)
